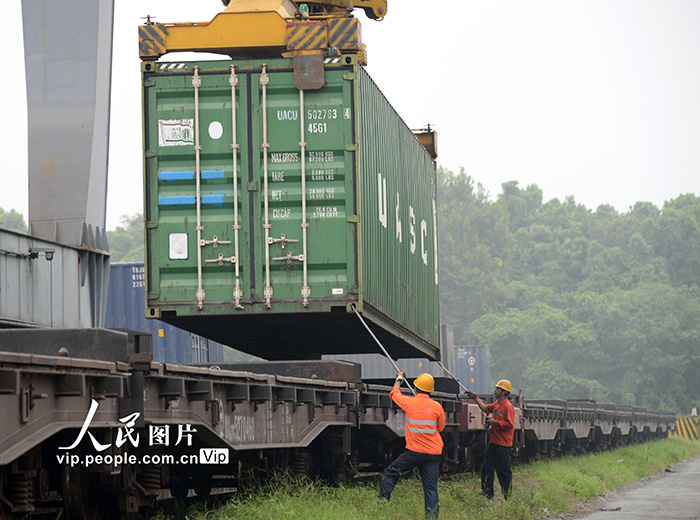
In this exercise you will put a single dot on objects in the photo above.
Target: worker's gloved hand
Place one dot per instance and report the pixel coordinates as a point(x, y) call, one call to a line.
point(471, 395)
point(400, 377)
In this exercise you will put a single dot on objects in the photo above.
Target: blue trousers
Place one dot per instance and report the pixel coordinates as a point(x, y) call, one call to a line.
point(496, 460)
point(429, 468)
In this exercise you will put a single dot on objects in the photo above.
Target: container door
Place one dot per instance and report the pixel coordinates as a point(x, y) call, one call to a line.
point(302, 157)
point(197, 252)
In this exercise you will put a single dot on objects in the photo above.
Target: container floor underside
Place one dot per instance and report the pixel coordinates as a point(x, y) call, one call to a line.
point(301, 336)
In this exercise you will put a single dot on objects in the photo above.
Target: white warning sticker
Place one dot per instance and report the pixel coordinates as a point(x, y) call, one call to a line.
point(176, 132)
point(178, 246)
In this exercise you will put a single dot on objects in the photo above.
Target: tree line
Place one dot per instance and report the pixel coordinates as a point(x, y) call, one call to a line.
point(574, 303)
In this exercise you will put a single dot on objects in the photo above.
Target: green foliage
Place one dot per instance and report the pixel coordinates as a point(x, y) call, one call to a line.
point(233, 356)
point(554, 486)
point(575, 303)
point(12, 220)
point(126, 243)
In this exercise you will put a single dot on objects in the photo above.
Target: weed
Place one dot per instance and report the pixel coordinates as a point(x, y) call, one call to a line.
point(552, 486)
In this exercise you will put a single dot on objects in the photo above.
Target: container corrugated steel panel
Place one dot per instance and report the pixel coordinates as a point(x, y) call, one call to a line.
point(371, 212)
point(473, 367)
point(126, 302)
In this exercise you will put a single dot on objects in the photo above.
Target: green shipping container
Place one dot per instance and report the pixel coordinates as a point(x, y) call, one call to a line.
point(271, 213)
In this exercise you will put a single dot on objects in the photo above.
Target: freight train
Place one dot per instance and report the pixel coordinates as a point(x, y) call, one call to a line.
point(283, 196)
point(100, 437)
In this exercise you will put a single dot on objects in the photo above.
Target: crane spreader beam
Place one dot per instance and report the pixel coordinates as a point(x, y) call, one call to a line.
point(269, 28)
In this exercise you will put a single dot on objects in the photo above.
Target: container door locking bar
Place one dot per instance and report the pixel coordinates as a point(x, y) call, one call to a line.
point(289, 258)
point(213, 242)
point(196, 84)
point(267, 293)
point(282, 240)
point(305, 289)
point(235, 146)
point(222, 260)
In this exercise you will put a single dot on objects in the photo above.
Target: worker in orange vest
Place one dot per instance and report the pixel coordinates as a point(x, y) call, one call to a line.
point(425, 419)
point(501, 419)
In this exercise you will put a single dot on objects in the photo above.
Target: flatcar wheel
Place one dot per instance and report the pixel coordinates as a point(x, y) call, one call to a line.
point(80, 494)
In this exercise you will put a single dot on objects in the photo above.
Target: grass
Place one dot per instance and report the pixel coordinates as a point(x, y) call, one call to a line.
point(541, 488)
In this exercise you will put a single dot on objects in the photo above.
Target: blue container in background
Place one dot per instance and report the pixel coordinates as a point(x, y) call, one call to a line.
point(473, 367)
point(126, 304)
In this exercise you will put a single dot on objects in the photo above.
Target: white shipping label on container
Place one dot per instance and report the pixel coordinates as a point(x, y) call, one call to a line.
point(178, 246)
point(176, 132)
point(337, 292)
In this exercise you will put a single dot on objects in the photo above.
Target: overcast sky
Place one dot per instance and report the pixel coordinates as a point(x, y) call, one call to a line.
point(595, 99)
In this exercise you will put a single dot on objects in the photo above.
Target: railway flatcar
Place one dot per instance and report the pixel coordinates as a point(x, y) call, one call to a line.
point(117, 431)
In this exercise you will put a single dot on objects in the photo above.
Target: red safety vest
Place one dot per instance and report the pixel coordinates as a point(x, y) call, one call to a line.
point(504, 414)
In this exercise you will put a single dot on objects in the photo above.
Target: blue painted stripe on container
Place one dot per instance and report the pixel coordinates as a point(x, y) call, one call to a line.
point(170, 176)
point(216, 199)
point(186, 200)
point(212, 174)
point(188, 175)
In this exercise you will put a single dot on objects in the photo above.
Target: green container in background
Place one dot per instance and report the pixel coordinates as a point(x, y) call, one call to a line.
point(237, 261)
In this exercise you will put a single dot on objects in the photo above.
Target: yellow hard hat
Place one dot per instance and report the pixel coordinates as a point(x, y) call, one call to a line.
point(504, 384)
point(425, 382)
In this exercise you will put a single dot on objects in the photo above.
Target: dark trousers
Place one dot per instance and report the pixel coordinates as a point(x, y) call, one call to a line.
point(429, 468)
point(497, 460)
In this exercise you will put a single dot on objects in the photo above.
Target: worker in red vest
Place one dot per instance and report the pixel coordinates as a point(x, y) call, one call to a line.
point(425, 419)
point(501, 419)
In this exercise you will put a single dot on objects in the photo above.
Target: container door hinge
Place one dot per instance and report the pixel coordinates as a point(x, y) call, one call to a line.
point(150, 224)
point(351, 147)
point(148, 154)
point(149, 83)
point(349, 76)
point(253, 186)
point(354, 218)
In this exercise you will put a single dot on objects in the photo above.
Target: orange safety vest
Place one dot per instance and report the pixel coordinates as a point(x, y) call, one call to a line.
point(425, 419)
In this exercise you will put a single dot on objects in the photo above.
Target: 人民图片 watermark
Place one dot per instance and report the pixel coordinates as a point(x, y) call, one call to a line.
point(158, 435)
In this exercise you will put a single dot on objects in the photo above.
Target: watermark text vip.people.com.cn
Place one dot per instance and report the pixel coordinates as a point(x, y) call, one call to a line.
point(205, 456)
